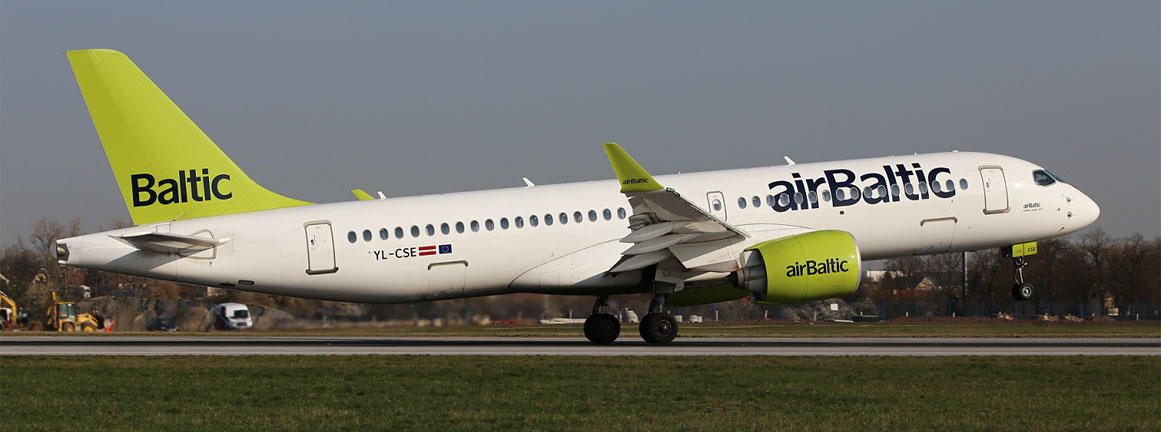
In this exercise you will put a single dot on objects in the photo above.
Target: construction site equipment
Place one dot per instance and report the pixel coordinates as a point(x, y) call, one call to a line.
point(63, 316)
point(8, 311)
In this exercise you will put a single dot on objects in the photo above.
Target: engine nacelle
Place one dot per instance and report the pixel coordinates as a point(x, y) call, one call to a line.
point(803, 267)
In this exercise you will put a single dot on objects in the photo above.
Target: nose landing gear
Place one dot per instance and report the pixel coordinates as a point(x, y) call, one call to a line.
point(1021, 291)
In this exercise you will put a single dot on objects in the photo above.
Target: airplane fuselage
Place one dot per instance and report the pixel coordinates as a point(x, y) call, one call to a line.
point(564, 238)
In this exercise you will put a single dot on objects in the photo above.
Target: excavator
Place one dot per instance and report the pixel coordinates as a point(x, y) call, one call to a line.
point(8, 311)
point(63, 316)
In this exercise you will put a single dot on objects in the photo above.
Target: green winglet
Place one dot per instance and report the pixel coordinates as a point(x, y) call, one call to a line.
point(362, 195)
point(633, 178)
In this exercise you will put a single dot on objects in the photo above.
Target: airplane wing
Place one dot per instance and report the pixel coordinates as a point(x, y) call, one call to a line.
point(661, 218)
point(361, 195)
point(167, 243)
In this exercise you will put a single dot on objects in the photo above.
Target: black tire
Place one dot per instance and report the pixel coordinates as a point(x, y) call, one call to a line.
point(602, 328)
point(68, 327)
point(1023, 292)
point(658, 328)
point(87, 327)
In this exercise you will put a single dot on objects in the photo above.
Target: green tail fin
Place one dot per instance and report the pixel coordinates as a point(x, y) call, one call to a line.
point(166, 167)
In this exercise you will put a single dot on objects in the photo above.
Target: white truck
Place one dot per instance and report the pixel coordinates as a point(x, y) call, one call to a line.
point(232, 316)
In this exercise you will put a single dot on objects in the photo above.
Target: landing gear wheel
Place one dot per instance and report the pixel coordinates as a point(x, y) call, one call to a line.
point(1023, 291)
point(658, 328)
point(602, 328)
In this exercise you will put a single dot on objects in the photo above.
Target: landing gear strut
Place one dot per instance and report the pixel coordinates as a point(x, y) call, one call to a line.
point(658, 327)
point(1021, 291)
point(602, 327)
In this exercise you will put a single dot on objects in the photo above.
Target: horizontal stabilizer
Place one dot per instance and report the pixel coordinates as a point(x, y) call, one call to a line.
point(171, 243)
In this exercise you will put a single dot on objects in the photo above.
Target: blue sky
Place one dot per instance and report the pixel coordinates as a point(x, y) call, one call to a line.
point(315, 98)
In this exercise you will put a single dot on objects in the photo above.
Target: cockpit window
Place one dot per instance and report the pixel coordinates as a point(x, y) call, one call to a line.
point(1043, 178)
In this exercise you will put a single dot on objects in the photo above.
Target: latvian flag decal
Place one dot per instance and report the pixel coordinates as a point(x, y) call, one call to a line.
point(432, 250)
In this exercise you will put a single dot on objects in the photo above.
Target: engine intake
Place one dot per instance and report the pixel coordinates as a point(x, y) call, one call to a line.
point(802, 267)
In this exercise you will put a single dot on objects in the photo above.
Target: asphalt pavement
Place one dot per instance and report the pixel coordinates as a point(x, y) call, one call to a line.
point(245, 345)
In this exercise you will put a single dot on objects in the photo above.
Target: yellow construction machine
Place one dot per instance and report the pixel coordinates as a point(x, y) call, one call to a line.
point(63, 316)
point(8, 311)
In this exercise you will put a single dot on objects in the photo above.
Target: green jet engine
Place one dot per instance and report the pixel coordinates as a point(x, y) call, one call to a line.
point(802, 267)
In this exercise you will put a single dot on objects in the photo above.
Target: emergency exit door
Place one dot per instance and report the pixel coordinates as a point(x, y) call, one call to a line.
point(995, 190)
point(320, 249)
point(717, 204)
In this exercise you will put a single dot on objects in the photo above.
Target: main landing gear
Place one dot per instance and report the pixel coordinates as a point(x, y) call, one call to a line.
point(602, 327)
point(656, 327)
point(1021, 291)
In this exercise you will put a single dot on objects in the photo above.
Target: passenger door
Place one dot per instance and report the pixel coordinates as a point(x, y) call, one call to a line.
point(995, 190)
point(320, 249)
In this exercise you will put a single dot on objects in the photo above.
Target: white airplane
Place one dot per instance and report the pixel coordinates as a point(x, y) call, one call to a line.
point(782, 234)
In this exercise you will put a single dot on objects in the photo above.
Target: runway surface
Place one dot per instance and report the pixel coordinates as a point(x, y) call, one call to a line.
point(241, 345)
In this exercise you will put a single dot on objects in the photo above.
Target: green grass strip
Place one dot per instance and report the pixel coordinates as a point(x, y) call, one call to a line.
point(580, 393)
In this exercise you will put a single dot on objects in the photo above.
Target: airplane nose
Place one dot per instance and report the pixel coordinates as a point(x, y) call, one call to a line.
point(1085, 210)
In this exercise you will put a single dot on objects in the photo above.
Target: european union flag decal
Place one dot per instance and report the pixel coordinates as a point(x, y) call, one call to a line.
point(444, 249)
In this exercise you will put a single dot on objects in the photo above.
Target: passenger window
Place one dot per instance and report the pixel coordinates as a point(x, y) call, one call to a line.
point(826, 195)
point(430, 229)
point(398, 232)
point(366, 235)
point(489, 225)
point(840, 194)
point(895, 190)
point(770, 200)
point(923, 188)
point(460, 227)
point(503, 223)
point(1042, 178)
point(621, 213)
point(592, 215)
point(963, 184)
point(519, 221)
point(742, 202)
point(576, 217)
point(935, 187)
point(414, 231)
point(384, 234)
point(813, 197)
point(563, 218)
point(475, 226)
point(757, 202)
point(443, 228)
point(783, 199)
point(548, 220)
point(909, 188)
point(854, 193)
point(533, 220)
point(882, 191)
point(607, 214)
point(950, 186)
point(867, 191)
point(352, 237)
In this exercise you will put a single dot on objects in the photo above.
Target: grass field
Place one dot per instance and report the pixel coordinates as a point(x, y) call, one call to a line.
point(1149, 329)
point(580, 393)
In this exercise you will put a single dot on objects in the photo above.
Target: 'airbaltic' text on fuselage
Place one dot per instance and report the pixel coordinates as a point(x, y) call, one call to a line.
point(889, 186)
